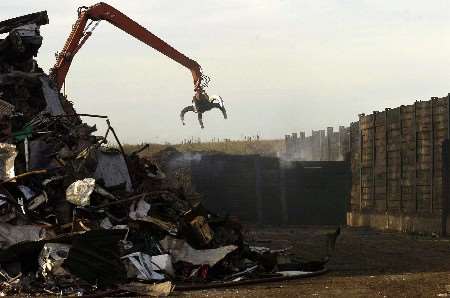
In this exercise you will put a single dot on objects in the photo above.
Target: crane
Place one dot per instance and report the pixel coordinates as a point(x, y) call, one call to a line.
point(89, 18)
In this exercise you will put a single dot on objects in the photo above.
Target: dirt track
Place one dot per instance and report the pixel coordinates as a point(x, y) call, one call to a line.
point(367, 263)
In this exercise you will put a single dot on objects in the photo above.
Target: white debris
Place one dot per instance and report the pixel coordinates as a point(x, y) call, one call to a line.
point(182, 251)
point(139, 209)
point(79, 192)
point(147, 266)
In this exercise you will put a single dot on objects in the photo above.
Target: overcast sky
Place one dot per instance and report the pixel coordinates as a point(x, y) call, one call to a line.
point(280, 66)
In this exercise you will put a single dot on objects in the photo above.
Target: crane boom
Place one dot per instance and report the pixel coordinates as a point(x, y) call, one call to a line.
point(103, 11)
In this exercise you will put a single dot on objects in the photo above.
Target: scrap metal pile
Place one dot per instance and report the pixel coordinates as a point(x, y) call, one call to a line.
point(79, 217)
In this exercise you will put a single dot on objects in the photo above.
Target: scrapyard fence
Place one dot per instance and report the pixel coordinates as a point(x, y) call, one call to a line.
point(399, 160)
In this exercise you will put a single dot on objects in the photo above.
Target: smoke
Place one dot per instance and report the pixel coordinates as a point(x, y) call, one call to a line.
point(184, 160)
point(285, 163)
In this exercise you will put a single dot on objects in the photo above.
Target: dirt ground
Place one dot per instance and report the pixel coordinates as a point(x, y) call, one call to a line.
point(366, 263)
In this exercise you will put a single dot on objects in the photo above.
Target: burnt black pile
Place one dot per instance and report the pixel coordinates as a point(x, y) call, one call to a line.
point(78, 217)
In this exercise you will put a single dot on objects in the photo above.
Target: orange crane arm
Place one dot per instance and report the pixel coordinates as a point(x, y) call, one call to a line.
point(103, 11)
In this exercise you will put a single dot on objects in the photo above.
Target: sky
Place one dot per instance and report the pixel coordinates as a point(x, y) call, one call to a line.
point(281, 66)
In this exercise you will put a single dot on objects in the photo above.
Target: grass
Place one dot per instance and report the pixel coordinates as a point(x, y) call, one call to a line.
point(261, 147)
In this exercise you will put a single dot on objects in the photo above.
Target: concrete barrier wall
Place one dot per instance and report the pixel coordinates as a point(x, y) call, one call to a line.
point(269, 191)
point(320, 146)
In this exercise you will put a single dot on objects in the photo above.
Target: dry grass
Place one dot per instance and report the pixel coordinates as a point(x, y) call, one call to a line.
point(262, 147)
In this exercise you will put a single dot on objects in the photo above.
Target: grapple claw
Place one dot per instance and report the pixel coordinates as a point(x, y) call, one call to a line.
point(203, 103)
